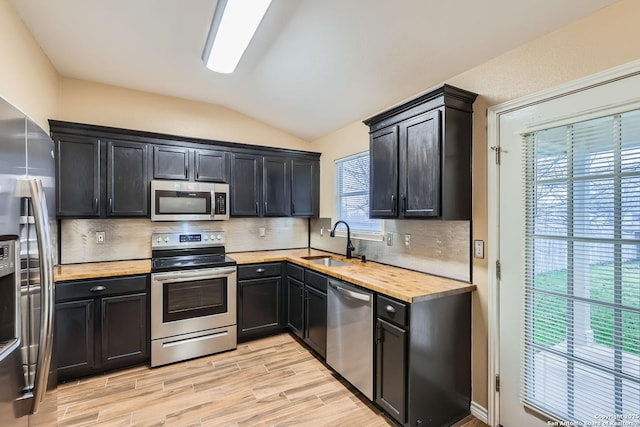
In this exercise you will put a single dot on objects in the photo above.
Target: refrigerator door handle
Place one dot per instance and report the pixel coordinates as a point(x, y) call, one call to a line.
point(45, 251)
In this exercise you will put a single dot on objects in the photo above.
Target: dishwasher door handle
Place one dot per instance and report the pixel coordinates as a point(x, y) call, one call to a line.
point(352, 294)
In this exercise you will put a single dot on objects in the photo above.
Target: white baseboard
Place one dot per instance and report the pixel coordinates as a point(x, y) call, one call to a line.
point(479, 412)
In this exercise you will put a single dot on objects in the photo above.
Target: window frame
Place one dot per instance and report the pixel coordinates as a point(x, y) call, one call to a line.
point(356, 233)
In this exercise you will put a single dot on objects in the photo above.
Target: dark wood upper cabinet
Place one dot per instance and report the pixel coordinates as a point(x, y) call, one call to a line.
point(210, 166)
point(305, 185)
point(245, 187)
point(103, 172)
point(276, 186)
point(77, 176)
point(420, 171)
point(420, 156)
point(184, 164)
point(171, 163)
point(128, 182)
point(273, 186)
point(383, 173)
point(96, 178)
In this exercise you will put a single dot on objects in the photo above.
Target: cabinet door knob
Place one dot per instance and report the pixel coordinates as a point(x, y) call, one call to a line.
point(390, 309)
point(98, 289)
point(259, 270)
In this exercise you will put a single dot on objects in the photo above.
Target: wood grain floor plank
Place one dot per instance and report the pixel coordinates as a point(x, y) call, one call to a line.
point(272, 381)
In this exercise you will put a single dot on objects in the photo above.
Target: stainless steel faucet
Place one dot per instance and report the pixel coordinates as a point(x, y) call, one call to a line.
point(350, 247)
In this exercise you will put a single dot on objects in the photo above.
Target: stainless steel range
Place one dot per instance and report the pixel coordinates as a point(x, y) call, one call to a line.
point(193, 296)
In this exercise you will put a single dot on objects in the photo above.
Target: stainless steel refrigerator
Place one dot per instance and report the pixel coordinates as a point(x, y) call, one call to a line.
point(27, 194)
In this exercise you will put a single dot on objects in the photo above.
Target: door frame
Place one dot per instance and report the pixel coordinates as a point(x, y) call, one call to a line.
point(493, 206)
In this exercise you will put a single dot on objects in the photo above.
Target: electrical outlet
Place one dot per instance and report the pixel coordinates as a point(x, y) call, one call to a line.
point(407, 241)
point(262, 231)
point(478, 249)
point(101, 236)
point(389, 239)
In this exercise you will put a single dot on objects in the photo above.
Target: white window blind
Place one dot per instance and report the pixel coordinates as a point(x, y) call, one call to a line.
point(352, 180)
point(581, 352)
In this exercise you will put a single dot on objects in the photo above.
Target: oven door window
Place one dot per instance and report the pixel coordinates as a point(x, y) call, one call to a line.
point(187, 300)
point(183, 202)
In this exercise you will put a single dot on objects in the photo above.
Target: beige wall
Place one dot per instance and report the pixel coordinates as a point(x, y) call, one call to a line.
point(99, 104)
point(27, 78)
point(603, 40)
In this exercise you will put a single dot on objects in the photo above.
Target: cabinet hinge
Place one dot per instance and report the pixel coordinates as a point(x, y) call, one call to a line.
point(497, 383)
point(498, 270)
point(498, 151)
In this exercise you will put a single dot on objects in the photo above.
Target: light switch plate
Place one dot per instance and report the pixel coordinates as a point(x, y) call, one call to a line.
point(389, 239)
point(478, 249)
point(101, 236)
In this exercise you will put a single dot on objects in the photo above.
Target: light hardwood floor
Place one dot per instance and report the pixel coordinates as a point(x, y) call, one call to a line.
point(273, 381)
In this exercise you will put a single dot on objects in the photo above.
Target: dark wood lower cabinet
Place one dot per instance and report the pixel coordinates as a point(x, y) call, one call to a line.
point(101, 324)
point(75, 336)
point(259, 306)
point(261, 300)
point(391, 369)
point(315, 319)
point(124, 330)
point(307, 307)
point(295, 306)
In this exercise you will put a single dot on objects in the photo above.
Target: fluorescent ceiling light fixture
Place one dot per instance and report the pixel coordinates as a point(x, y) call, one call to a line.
point(232, 28)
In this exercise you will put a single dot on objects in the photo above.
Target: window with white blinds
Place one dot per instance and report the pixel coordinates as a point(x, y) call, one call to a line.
point(352, 182)
point(581, 352)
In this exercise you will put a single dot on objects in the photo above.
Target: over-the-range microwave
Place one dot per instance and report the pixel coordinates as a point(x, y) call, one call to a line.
point(189, 201)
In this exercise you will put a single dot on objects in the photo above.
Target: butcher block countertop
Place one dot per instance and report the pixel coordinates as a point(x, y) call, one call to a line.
point(405, 285)
point(95, 270)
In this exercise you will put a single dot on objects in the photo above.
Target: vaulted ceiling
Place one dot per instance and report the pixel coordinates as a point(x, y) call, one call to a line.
point(313, 66)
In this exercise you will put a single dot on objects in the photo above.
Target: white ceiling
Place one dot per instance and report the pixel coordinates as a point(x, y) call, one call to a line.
point(313, 66)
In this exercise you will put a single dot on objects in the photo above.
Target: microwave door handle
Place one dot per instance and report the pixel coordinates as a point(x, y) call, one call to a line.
point(45, 253)
point(214, 203)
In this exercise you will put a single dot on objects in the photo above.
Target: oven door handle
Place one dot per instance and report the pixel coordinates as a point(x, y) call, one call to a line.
point(182, 276)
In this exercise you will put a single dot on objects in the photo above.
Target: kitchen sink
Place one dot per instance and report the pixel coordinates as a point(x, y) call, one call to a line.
point(325, 260)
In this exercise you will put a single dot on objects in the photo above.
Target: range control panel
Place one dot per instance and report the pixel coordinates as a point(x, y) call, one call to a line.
point(191, 239)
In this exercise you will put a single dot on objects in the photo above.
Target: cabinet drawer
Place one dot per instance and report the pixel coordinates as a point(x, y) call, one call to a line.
point(395, 311)
point(316, 280)
point(295, 271)
point(100, 287)
point(256, 271)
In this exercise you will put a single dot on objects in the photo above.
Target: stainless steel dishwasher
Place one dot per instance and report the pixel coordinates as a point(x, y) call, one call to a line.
point(350, 334)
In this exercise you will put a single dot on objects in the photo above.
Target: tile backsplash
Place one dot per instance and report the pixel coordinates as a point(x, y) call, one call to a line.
point(442, 248)
point(131, 238)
